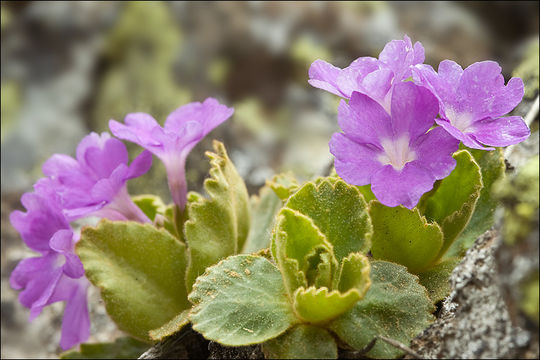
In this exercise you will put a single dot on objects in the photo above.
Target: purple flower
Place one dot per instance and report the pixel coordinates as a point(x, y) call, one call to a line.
point(367, 75)
point(395, 152)
point(473, 102)
point(56, 275)
point(95, 182)
point(183, 129)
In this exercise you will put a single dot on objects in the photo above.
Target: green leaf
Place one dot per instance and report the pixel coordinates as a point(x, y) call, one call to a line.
point(366, 192)
point(284, 185)
point(454, 200)
point(296, 238)
point(241, 301)
point(263, 213)
point(492, 167)
point(395, 306)
point(354, 274)
point(150, 205)
point(302, 342)
point(121, 348)
point(404, 236)
point(321, 305)
point(170, 328)
point(139, 270)
point(339, 211)
point(436, 279)
point(217, 227)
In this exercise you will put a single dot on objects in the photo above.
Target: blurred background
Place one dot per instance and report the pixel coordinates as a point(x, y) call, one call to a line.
point(67, 68)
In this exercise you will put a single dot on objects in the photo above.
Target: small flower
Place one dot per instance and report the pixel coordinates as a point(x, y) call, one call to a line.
point(473, 102)
point(183, 129)
point(367, 75)
point(56, 275)
point(95, 182)
point(395, 152)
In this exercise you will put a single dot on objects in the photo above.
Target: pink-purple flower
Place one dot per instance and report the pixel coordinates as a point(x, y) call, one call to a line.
point(183, 129)
point(95, 182)
point(368, 75)
point(473, 102)
point(57, 274)
point(394, 152)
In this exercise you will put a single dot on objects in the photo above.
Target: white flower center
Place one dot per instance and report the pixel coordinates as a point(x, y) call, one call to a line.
point(460, 121)
point(396, 152)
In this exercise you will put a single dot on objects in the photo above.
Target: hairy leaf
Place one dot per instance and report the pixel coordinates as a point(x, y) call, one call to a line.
point(121, 348)
point(302, 342)
point(170, 328)
point(151, 205)
point(404, 236)
point(395, 306)
point(241, 301)
point(492, 167)
point(296, 238)
point(217, 227)
point(155, 209)
point(284, 185)
point(436, 278)
point(320, 305)
point(263, 213)
point(339, 211)
point(454, 200)
point(139, 270)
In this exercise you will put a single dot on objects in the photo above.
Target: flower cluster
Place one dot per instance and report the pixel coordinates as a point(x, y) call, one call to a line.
point(94, 183)
point(389, 139)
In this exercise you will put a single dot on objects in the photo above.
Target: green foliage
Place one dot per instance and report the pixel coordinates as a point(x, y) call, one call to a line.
point(150, 205)
point(170, 328)
point(404, 236)
point(492, 168)
point(452, 203)
point(241, 301)
point(395, 306)
point(317, 246)
point(263, 213)
point(121, 348)
point(339, 211)
point(139, 270)
point(284, 185)
point(302, 342)
point(435, 278)
point(217, 227)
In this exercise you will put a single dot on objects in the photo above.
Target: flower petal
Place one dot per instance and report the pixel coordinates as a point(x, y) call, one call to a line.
point(405, 187)
point(434, 152)
point(209, 114)
point(503, 131)
point(354, 162)
point(76, 320)
point(364, 120)
point(140, 165)
point(467, 138)
point(414, 109)
point(323, 75)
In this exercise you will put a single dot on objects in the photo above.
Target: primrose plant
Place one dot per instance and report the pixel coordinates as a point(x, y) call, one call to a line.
point(303, 268)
